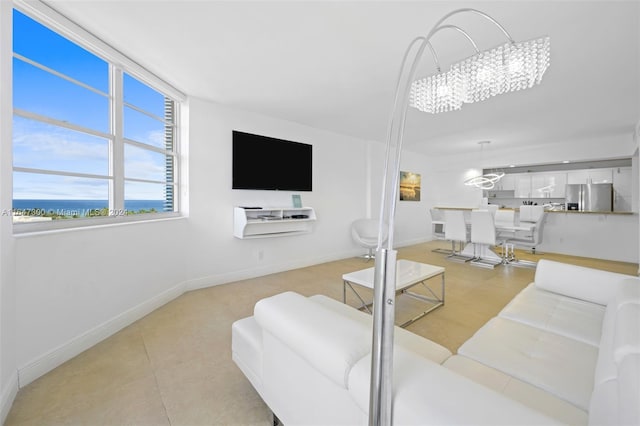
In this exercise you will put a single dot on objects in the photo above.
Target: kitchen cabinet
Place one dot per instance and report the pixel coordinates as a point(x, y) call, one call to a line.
point(590, 176)
point(507, 183)
point(540, 185)
point(523, 185)
point(622, 189)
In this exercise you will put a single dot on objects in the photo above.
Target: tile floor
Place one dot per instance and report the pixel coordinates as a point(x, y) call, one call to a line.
point(174, 367)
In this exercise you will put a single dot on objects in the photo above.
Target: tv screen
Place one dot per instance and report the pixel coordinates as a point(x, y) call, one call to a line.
point(261, 162)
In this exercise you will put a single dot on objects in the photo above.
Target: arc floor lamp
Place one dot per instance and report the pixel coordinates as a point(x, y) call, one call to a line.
point(510, 67)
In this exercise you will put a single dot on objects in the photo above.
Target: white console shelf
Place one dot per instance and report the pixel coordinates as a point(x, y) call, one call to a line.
point(272, 222)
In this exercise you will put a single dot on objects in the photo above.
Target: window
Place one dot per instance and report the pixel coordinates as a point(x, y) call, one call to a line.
point(92, 140)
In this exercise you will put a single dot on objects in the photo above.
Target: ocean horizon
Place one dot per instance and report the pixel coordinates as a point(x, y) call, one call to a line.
point(82, 207)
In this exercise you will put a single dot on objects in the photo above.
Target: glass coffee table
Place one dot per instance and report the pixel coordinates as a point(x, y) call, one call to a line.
point(408, 274)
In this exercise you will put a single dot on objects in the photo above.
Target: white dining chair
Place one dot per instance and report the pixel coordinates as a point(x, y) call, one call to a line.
point(483, 237)
point(456, 231)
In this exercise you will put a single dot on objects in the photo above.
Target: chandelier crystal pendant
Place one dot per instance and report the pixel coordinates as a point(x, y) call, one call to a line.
point(438, 93)
point(507, 68)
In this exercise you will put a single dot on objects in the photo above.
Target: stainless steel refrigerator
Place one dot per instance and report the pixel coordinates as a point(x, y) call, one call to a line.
point(594, 197)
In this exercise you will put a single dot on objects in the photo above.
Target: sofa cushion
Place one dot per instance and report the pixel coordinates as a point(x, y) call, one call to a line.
point(579, 282)
point(567, 316)
point(554, 363)
point(426, 393)
point(520, 391)
point(322, 338)
point(406, 339)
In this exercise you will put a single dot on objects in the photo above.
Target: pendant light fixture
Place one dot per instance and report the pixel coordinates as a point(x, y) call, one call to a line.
point(486, 180)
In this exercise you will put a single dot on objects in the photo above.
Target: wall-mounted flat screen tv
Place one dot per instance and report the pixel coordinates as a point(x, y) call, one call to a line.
point(262, 162)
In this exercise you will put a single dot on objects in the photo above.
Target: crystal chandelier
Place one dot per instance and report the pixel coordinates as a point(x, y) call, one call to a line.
point(507, 68)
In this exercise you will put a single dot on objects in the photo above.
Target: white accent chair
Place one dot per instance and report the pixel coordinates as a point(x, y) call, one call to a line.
point(483, 237)
point(455, 230)
point(365, 233)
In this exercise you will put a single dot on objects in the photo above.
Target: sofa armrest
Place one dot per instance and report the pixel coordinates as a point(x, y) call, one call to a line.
point(329, 342)
point(592, 285)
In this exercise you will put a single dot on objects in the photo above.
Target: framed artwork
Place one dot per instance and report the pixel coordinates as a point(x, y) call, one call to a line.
point(409, 186)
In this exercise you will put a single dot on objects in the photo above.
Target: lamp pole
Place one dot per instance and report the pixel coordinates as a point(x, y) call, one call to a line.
point(381, 386)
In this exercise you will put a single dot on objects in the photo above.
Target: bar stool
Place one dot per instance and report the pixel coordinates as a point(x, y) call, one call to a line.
point(455, 230)
point(438, 228)
point(505, 221)
point(531, 238)
point(483, 237)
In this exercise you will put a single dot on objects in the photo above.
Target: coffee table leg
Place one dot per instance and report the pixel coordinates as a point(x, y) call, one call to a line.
point(364, 304)
point(437, 301)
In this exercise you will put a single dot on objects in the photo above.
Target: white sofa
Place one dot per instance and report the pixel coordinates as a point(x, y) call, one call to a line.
point(566, 350)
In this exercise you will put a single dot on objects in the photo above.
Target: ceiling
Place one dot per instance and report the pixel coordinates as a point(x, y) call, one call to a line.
point(333, 64)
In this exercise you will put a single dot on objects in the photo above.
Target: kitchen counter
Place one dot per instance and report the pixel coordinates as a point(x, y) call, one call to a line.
point(600, 235)
point(579, 212)
point(547, 211)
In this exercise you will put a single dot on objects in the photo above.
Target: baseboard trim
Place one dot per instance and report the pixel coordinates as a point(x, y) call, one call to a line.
point(57, 356)
point(246, 274)
point(79, 344)
point(7, 397)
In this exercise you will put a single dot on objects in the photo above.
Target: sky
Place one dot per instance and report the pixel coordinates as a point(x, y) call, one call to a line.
point(44, 146)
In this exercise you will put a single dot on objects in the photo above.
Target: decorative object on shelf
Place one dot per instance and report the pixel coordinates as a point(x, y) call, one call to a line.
point(296, 200)
point(507, 68)
point(409, 186)
point(487, 180)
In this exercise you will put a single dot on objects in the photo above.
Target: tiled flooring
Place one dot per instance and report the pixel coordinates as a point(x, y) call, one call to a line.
point(174, 366)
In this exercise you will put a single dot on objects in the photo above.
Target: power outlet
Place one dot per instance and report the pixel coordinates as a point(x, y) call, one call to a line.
point(260, 255)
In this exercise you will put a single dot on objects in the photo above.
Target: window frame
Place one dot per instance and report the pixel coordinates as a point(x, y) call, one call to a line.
point(118, 65)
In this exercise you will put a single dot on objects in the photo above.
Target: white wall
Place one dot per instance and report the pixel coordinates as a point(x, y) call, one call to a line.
point(75, 287)
point(338, 197)
point(8, 373)
point(412, 221)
